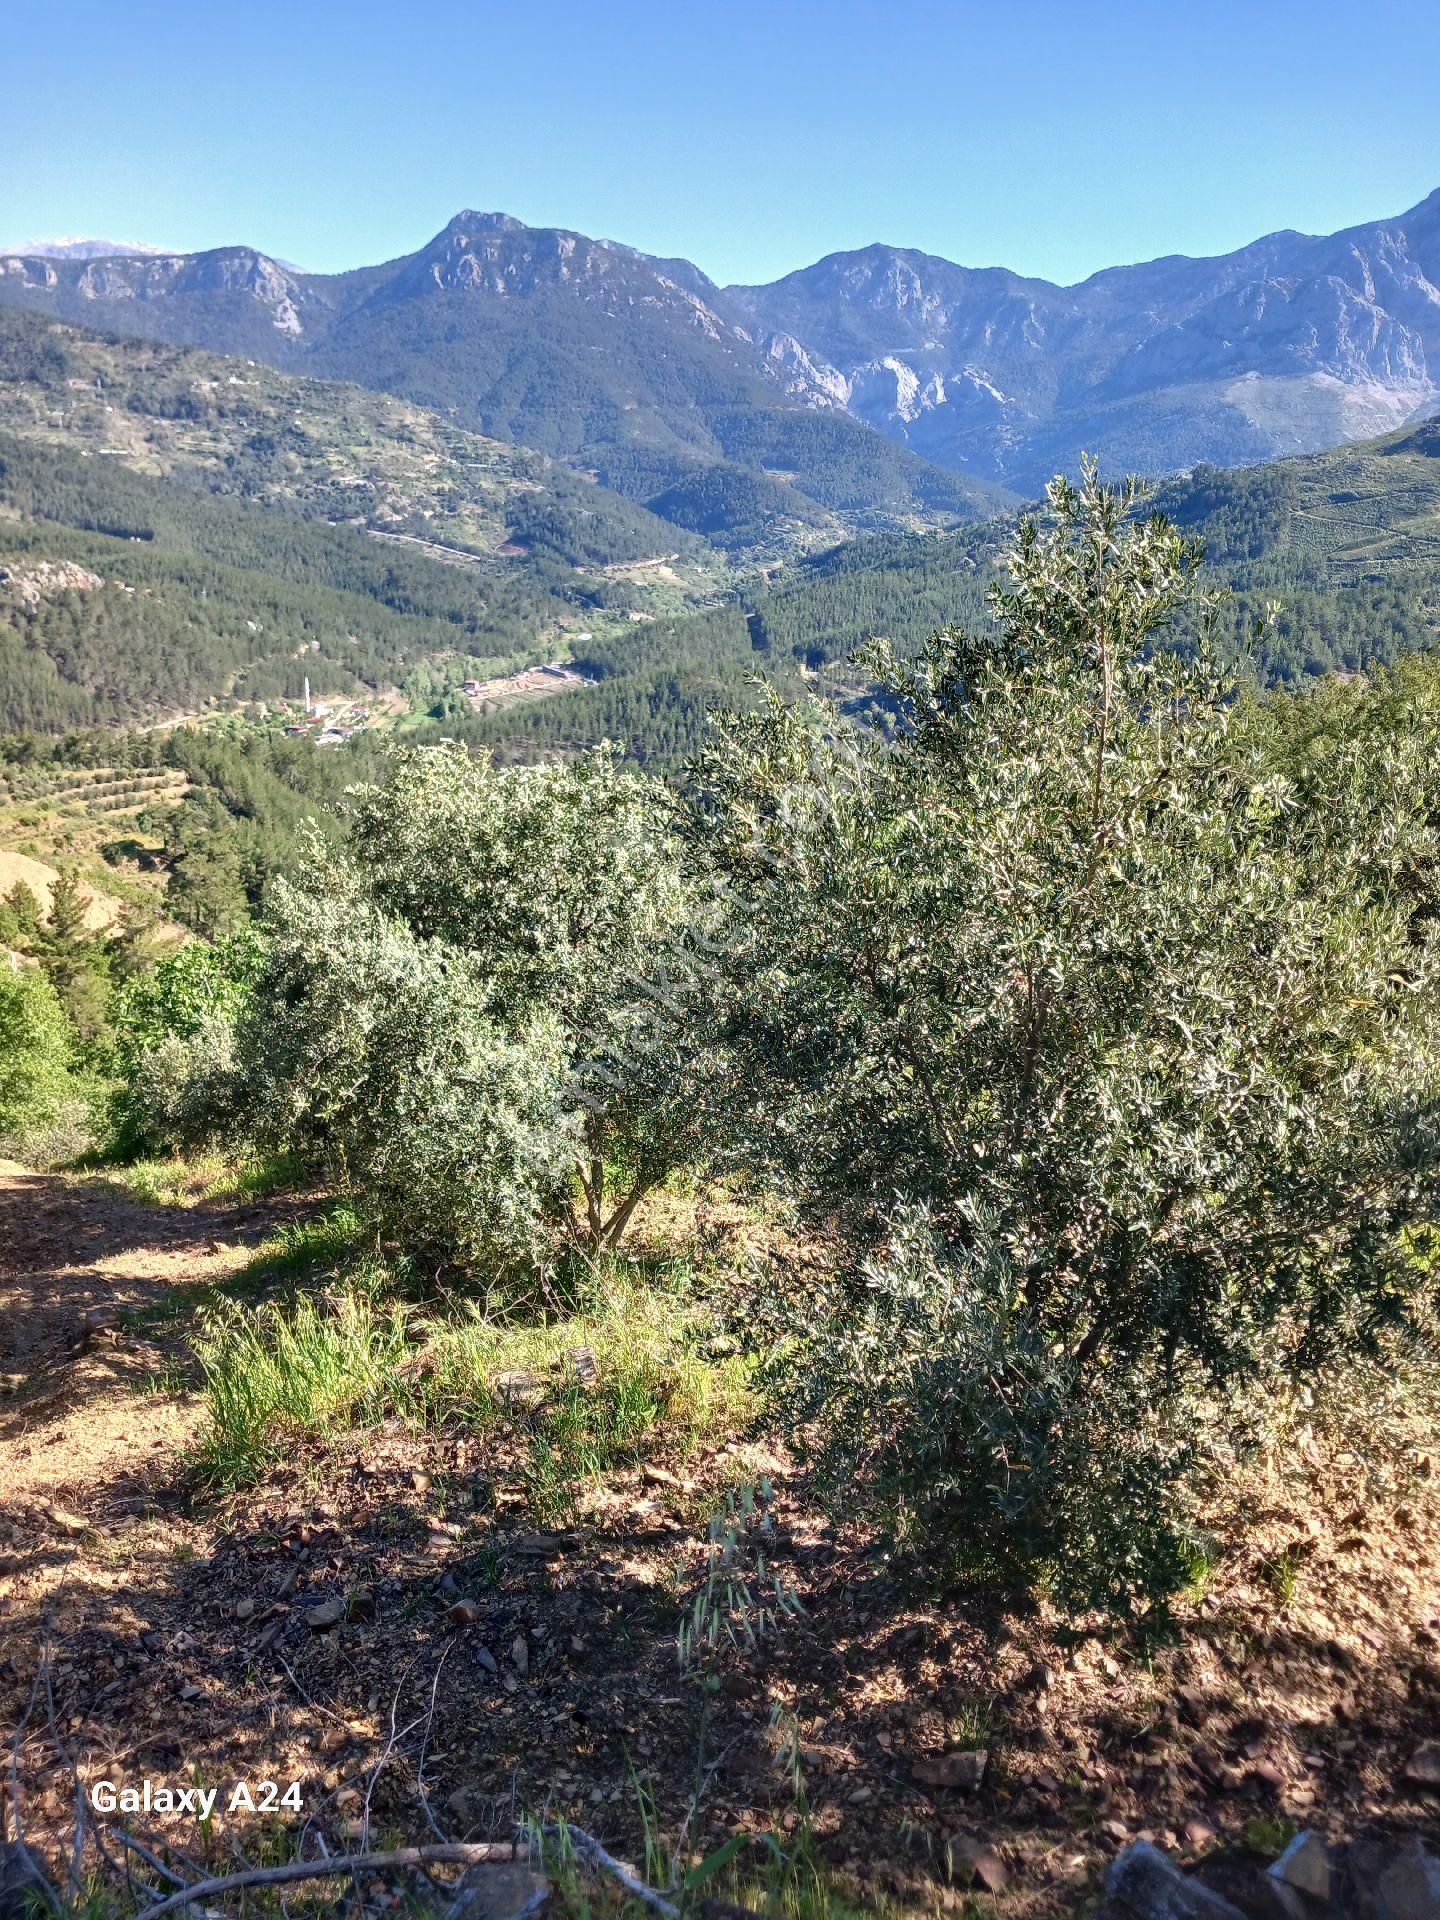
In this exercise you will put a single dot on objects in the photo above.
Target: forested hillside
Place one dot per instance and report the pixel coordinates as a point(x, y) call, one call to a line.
point(127, 598)
point(1346, 542)
point(317, 449)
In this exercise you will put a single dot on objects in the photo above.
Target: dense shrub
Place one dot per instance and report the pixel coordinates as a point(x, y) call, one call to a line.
point(1149, 1033)
point(378, 1054)
point(172, 1045)
point(486, 1003)
point(36, 1052)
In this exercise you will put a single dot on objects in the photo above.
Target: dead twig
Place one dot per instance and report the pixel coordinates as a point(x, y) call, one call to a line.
point(425, 1745)
point(589, 1849)
point(152, 1860)
point(452, 1854)
point(28, 1862)
point(396, 1736)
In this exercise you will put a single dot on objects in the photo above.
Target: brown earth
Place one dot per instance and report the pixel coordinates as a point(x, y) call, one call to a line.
point(308, 1629)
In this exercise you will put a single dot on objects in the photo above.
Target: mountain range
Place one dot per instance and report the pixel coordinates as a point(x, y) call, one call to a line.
point(890, 386)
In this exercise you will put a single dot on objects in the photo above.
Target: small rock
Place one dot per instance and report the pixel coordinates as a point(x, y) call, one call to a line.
point(582, 1367)
point(1192, 1705)
point(962, 1770)
point(1141, 1881)
point(660, 1477)
point(328, 1614)
point(65, 1521)
point(1410, 1887)
point(486, 1659)
point(1199, 1833)
point(1423, 1766)
point(244, 1609)
point(21, 1888)
point(520, 1654)
point(421, 1482)
point(500, 1890)
point(973, 1864)
point(361, 1605)
point(464, 1613)
point(1305, 1865)
point(100, 1320)
point(517, 1387)
point(859, 1797)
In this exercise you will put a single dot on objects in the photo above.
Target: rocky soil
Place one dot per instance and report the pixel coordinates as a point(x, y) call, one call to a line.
point(387, 1623)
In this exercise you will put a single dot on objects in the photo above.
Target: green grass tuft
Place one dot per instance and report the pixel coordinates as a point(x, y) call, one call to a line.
point(317, 1369)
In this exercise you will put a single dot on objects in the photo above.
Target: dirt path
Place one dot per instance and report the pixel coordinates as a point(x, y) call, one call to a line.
point(396, 1578)
point(86, 1404)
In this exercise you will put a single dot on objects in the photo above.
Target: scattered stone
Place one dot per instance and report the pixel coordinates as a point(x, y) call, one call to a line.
point(100, 1320)
point(971, 1863)
point(328, 1614)
point(244, 1609)
point(1268, 1774)
point(1305, 1865)
point(1143, 1883)
point(962, 1770)
point(486, 1659)
point(66, 1522)
point(1423, 1766)
point(421, 1482)
point(1199, 1833)
point(464, 1613)
point(659, 1477)
point(361, 1605)
point(520, 1654)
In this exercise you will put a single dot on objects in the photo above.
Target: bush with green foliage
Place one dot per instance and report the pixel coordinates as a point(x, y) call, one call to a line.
point(171, 1045)
point(1146, 1040)
point(379, 1056)
point(485, 1004)
point(36, 1052)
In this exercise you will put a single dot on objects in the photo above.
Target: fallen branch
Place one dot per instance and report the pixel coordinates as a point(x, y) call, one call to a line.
point(451, 1854)
point(588, 1848)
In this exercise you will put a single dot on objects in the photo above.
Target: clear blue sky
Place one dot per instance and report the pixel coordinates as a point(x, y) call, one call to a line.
point(752, 138)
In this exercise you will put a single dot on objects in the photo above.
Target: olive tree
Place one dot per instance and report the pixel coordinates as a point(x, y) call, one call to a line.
point(500, 959)
point(1112, 1063)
